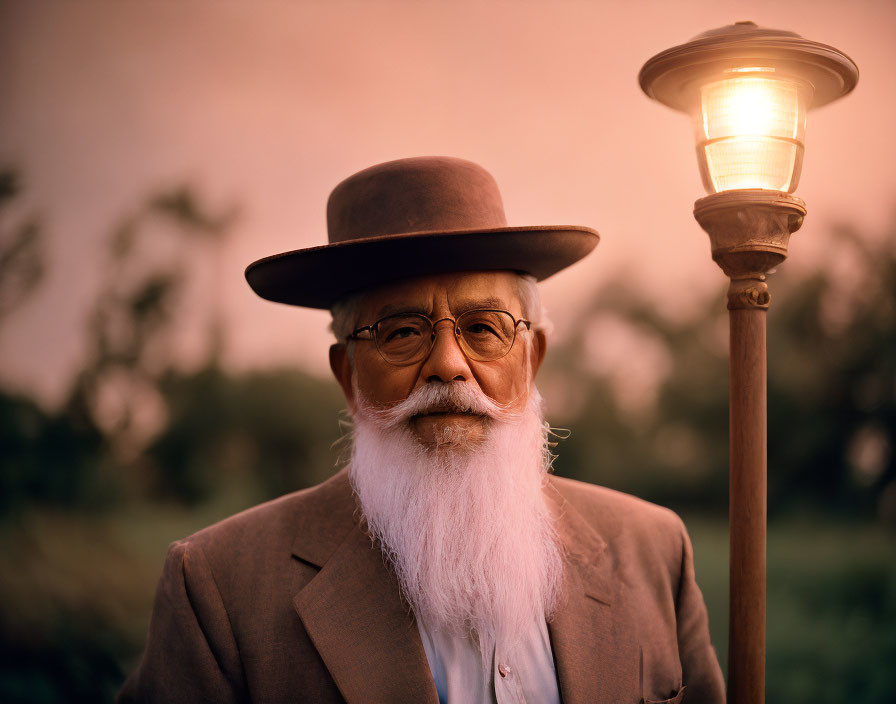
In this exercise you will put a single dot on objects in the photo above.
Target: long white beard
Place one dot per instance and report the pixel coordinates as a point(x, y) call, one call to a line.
point(466, 529)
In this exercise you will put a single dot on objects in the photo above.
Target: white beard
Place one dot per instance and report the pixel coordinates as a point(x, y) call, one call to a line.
point(466, 528)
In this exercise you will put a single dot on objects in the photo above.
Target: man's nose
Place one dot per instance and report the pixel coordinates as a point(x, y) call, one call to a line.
point(446, 361)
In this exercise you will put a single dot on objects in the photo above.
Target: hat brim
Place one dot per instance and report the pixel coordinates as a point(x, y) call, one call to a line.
point(317, 277)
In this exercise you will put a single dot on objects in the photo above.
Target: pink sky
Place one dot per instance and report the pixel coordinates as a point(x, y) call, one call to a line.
point(269, 104)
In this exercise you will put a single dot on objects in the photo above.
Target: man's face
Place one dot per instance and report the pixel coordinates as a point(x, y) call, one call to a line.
point(506, 380)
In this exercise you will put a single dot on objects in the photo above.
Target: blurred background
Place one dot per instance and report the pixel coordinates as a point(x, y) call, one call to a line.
point(149, 152)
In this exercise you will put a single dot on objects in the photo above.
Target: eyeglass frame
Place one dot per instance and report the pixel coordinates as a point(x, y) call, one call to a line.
point(432, 338)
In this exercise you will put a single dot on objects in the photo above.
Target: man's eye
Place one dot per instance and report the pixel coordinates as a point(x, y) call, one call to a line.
point(481, 329)
point(402, 333)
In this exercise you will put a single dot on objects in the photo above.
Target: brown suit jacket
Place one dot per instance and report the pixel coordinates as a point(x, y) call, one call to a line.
point(290, 602)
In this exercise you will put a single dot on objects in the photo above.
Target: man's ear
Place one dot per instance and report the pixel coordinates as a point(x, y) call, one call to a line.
point(342, 370)
point(539, 347)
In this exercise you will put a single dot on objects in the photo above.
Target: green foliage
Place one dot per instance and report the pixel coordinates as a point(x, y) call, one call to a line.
point(77, 589)
point(831, 601)
point(272, 429)
point(832, 383)
point(258, 435)
point(76, 661)
point(50, 458)
point(831, 389)
point(674, 453)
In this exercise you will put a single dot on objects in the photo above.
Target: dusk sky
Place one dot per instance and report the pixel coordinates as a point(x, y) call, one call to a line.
point(267, 105)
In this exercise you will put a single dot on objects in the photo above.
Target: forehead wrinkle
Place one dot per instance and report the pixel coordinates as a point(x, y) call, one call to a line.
point(463, 302)
point(396, 308)
point(490, 302)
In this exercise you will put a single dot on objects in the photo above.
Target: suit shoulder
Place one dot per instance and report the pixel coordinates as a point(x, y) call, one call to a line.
point(594, 501)
point(640, 534)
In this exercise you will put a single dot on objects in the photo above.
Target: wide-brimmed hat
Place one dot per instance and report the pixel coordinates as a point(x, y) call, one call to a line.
point(411, 217)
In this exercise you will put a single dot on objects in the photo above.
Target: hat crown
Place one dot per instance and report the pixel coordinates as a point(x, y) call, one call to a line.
point(421, 194)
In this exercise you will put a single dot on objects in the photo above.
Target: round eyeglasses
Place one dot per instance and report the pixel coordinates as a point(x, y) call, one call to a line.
point(405, 338)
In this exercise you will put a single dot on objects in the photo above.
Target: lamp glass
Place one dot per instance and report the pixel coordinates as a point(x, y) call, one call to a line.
point(751, 128)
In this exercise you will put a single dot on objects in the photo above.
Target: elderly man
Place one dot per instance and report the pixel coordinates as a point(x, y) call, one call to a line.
point(444, 563)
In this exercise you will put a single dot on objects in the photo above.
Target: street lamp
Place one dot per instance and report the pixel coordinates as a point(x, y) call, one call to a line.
point(747, 90)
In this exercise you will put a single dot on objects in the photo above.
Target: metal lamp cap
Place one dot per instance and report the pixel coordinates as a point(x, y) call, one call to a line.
point(673, 76)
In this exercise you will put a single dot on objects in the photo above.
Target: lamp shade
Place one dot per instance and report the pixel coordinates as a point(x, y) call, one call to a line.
point(750, 129)
point(747, 90)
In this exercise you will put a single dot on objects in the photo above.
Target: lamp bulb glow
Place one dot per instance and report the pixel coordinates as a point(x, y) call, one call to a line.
point(751, 131)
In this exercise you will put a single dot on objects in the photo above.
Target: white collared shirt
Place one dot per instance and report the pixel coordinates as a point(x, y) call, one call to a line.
point(528, 676)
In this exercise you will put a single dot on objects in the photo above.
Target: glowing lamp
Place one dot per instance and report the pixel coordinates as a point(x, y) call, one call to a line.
point(747, 90)
point(751, 131)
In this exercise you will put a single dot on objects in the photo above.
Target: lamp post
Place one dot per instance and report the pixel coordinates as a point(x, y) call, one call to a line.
point(747, 89)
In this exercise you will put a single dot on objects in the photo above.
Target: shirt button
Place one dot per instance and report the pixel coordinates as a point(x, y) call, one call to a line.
point(504, 670)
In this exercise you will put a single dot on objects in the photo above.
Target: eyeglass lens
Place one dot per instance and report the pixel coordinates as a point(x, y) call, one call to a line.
point(485, 335)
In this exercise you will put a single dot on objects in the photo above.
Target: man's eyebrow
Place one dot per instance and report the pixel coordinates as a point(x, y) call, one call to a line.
point(477, 303)
point(471, 304)
point(398, 308)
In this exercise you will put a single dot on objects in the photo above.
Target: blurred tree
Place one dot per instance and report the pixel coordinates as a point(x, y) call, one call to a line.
point(832, 382)
point(134, 323)
point(52, 458)
point(21, 254)
point(832, 391)
point(270, 431)
point(671, 445)
point(135, 421)
point(47, 457)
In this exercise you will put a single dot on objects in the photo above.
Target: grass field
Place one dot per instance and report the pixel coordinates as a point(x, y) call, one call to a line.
point(831, 623)
point(77, 591)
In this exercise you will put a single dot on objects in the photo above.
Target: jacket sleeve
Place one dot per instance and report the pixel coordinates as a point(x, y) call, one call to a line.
point(191, 655)
point(700, 670)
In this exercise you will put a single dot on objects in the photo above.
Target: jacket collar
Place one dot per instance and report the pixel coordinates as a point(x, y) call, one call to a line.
point(352, 609)
point(594, 648)
point(368, 638)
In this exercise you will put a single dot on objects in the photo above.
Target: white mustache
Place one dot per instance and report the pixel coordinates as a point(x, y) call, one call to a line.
point(441, 397)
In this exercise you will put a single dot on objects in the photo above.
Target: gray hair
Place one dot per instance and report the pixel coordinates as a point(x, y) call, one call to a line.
point(345, 310)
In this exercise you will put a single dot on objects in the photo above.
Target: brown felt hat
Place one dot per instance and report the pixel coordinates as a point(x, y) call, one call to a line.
point(412, 217)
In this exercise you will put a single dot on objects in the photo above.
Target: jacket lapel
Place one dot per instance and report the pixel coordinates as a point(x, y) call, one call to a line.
point(352, 611)
point(595, 652)
point(368, 639)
